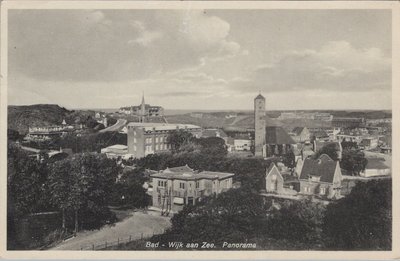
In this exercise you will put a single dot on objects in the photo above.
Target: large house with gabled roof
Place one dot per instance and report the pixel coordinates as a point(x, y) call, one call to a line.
point(321, 177)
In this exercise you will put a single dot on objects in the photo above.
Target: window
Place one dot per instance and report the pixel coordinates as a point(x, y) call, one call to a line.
point(182, 185)
point(307, 189)
point(134, 140)
point(134, 147)
point(157, 147)
point(273, 177)
point(156, 139)
point(162, 183)
point(273, 186)
point(197, 184)
point(322, 191)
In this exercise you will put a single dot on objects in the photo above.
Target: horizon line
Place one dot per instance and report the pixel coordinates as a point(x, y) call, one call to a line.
point(198, 109)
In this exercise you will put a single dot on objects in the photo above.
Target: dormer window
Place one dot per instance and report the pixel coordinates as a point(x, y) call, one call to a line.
point(314, 178)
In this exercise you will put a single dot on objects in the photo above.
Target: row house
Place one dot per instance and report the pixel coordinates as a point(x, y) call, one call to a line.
point(151, 138)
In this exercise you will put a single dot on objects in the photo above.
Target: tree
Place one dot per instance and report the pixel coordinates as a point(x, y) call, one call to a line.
point(83, 184)
point(182, 141)
point(349, 145)
point(24, 181)
point(289, 159)
point(13, 135)
point(297, 221)
point(329, 149)
point(362, 220)
point(213, 146)
point(60, 180)
point(353, 161)
point(129, 190)
point(234, 216)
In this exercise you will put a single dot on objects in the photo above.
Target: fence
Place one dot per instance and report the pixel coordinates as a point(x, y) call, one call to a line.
point(119, 241)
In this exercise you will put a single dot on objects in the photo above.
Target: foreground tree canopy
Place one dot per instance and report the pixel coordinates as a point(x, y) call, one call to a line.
point(82, 183)
point(363, 219)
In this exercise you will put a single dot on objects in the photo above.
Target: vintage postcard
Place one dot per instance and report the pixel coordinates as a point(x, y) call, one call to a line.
point(201, 130)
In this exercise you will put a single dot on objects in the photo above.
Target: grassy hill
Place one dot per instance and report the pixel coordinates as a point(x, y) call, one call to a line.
point(20, 118)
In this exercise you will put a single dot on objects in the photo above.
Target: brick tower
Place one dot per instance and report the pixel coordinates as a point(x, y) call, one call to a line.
point(259, 125)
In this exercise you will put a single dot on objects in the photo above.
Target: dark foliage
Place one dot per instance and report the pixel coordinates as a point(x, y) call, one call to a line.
point(249, 171)
point(93, 142)
point(13, 135)
point(363, 219)
point(129, 190)
point(329, 149)
point(353, 161)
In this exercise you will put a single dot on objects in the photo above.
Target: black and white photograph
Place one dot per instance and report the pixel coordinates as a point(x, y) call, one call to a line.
point(187, 128)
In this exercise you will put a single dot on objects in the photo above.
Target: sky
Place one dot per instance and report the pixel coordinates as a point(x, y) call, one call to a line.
point(201, 59)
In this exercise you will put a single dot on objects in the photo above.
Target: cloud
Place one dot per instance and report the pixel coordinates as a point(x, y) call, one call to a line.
point(336, 66)
point(146, 37)
point(113, 45)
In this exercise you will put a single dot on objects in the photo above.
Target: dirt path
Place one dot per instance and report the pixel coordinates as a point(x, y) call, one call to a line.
point(134, 226)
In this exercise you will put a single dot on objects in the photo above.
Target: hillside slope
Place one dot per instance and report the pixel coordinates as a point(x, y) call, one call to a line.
point(20, 118)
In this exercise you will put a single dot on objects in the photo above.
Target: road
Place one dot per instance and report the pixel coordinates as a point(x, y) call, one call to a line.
point(134, 226)
point(119, 124)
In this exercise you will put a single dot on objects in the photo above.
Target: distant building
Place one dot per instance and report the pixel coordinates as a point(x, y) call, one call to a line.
point(307, 150)
point(321, 177)
point(348, 122)
point(196, 115)
point(322, 116)
point(369, 143)
point(218, 133)
point(287, 115)
point(375, 167)
point(143, 111)
point(242, 144)
point(300, 134)
point(173, 188)
point(319, 134)
point(350, 138)
point(116, 151)
point(48, 132)
point(277, 142)
point(150, 138)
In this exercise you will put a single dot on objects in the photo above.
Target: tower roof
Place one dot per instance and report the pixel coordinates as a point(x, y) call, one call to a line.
point(143, 98)
point(259, 97)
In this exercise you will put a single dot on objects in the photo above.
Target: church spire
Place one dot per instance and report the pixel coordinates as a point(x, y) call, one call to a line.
point(143, 103)
point(142, 109)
